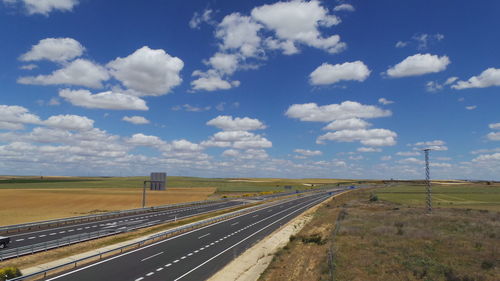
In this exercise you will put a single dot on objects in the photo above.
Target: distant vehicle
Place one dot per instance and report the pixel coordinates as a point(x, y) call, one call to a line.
point(4, 241)
point(352, 187)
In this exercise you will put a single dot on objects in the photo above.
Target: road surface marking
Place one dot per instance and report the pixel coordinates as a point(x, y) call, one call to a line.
point(149, 274)
point(235, 223)
point(139, 279)
point(145, 259)
point(204, 236)
point(168, 264)
point(176, 261)
point(19, 240)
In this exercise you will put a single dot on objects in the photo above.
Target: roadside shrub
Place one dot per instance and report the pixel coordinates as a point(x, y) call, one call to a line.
point(373, 197)
point(313, 238)
point(292, 238)
point(9, 273)
point(487, 264)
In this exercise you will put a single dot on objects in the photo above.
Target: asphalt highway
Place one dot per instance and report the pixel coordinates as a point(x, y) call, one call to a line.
point(194, 255)
point(115, 225)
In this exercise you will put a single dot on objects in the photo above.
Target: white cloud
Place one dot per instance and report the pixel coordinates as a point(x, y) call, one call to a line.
point(347, 124)
point(228, 123)
point(327, 74)
point(408, 153)
point(494, 126)
point(372, 137)
point(437, 145)
point(224, 63)
point(79, 72)
point(385, 101)
point(487, 158)
point(13, 114)
point(104, 100)
point(299, 21)
point(401, 44)
point(471, 107)
point(11, 126)
point(148, 71)
point(137, 120)
point(386, 158)
point(146, 140)
point(237, 139)
point(488, 78)
point(231, 153)
point(239, 33)
point(70, 122)
point(326, 113)
point(344, 7)
point(28, 66)
point(434, 86)
point(481, 151)
point(419, 64)
point(44, 7)
point(54, 49)
point(494, 136)
point(211, 82)
point(199, 18)
point(307, 152)
point(369, 149)
point(411, 160)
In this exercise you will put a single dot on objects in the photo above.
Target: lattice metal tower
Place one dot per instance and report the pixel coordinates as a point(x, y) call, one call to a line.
point(428, 180)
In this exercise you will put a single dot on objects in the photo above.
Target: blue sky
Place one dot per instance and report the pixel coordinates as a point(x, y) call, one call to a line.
point(344, 89)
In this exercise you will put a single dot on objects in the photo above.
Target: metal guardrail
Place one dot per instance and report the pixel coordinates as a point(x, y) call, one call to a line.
point(73, 239)
point(159, 236)
point(56, 222)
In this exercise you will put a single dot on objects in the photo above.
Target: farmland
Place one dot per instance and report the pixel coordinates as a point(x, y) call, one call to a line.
point(32, 198)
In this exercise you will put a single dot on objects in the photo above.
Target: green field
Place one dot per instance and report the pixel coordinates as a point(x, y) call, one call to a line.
point(468, 196)
point(224, 185)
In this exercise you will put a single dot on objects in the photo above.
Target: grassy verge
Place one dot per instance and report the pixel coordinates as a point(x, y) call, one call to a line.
point(354, 238)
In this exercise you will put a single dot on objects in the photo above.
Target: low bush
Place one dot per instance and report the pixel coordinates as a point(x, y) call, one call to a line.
point(9, 273)
point(373, 197)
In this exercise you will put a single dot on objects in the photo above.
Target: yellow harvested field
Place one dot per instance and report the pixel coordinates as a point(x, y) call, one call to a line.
point(28, 205)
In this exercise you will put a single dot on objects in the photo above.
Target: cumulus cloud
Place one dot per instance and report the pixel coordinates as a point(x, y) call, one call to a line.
point(211, 82)
point(238, 140)
point(494, 136)
point(408, 153)
point(434, 86)
point(28, 66)
point(307, 152)
point(372, 137)
point(487, 158)
point(54, 49)
point(344, 7)
point(104, 100)
point(224, 63)
point(299, 22)
point(146, 140)
point(347, 124)
point(494, 126)
point(137, 120)
point(488, 78)
point(438, 145)
point(70, 122)
point(384, 101)
point(369, 149)
point(471, 107)
point(199, 18)
point(13, 117)
point(327, 113)
point(240, 33)
point(228, 123)
point(79, 72)
point(44, 7)
point(327, 74)
point(148, 71)
point(419, 64)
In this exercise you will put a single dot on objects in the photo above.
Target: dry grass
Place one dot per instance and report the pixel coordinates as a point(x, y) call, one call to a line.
point(27, 205)
point(303, 258)
point(387, 241)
